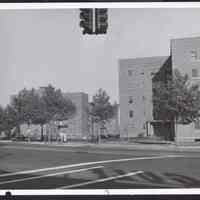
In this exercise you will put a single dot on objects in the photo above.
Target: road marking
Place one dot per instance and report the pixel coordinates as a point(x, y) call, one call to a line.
point(49, 175)
point(164, 185)
point(88, 163)
point(101, 180)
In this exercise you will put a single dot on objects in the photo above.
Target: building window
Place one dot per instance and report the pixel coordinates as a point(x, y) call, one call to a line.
point(153, 73)
point(195, 73)
point(130, 100)
point(194, 55)
point(131, 114)
point(130, 72)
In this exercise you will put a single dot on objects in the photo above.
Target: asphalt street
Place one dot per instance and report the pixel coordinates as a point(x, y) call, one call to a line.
point(32, 166)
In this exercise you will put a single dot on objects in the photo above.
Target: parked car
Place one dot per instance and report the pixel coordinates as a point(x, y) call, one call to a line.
point(20, 138)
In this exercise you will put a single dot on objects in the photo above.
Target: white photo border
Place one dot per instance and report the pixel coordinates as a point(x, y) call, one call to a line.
point(84, 192)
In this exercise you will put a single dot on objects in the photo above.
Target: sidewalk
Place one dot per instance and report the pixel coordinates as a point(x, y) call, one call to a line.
point(78, 146)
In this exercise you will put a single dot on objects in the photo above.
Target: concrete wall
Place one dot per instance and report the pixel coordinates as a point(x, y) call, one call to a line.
point(187, 133)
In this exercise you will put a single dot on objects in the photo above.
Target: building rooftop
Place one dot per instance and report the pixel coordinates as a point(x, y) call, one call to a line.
point(186, 38)
point(158, 60)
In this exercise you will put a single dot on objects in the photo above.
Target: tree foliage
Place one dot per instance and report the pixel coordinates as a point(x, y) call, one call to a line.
point(55, 105)
point(101, 108)
point(37, 107)
point(1, 119)
point(177, 99)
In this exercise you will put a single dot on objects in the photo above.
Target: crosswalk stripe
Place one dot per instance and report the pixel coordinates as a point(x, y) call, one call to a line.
point(49, 175)
point(101, 180)
point(89, 163)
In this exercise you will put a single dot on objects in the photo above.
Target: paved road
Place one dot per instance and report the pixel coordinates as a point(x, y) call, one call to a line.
point(27, 166)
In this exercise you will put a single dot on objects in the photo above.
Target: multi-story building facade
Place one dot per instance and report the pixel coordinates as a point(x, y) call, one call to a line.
point(77, 126)
point(185, 54)
point(136, 77)
point(135, 93)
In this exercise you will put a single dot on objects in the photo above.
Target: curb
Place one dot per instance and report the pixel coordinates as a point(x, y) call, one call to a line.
point(92, 148)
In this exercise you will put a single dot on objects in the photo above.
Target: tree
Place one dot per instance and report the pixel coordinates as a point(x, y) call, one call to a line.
point(10, 121)
point(32, 106)
point(1, 119)
point(54, 107)
point(23, 107)
point(101, 108)
point(176, 99)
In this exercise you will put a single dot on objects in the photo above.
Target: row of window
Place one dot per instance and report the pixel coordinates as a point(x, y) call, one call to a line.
point(195, 73)
point(130, 100)
point(194, 54)
point(130, 72)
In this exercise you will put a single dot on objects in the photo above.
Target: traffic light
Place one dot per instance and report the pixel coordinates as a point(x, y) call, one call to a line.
point(86, 16)
point(101, 20)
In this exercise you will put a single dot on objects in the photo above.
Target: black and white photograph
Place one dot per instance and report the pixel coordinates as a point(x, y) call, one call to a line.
point(100, 98)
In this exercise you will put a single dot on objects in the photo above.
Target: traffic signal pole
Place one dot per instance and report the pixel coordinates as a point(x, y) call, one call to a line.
point(94, 20)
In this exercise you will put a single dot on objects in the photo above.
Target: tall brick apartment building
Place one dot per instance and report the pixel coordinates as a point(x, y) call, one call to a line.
point(135, 90)
point(136, 77)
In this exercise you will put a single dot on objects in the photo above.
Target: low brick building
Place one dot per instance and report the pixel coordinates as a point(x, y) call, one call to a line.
point(77, 126)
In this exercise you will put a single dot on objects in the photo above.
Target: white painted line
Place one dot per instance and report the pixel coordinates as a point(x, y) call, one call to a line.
point(166, 185)
point(88, 163)
point(101, 180)
point(49, 175)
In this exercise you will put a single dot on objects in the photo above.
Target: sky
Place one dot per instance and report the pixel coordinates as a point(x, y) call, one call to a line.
point(41, 47)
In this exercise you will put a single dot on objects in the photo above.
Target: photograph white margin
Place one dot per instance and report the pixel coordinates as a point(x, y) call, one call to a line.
point(31, 6)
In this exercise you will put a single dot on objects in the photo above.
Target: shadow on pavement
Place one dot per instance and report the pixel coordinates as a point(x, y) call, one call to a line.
point(142, 181)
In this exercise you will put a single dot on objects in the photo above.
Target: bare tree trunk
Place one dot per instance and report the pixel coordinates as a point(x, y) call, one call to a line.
point(18, 130)
point(92, 129)
point(42, 132)
point(176, 129)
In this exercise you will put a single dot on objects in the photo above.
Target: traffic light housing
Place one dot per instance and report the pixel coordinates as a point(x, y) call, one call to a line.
point(86, 17)
point(101, 20)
